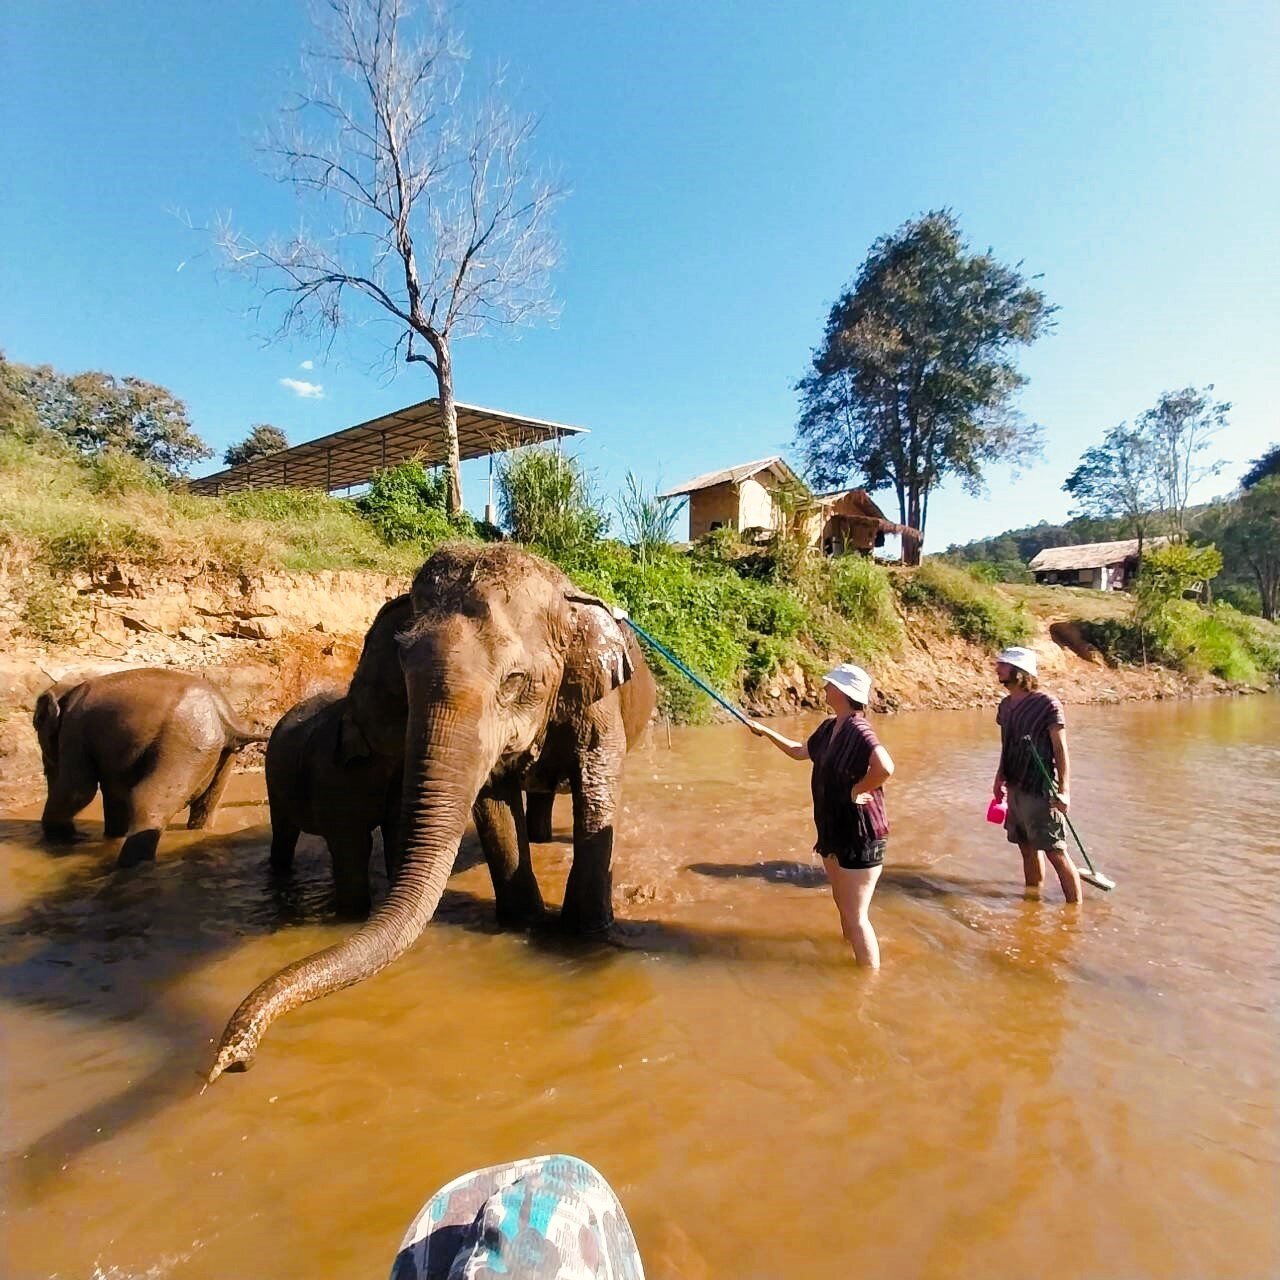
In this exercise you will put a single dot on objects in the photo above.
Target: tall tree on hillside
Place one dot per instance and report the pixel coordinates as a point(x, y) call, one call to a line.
point(1119, 479)
point(1267, 465)
point(434, 215)
point(262, 441)
point(915, 377)
point(1247, 529)
point(1179, 428)
point(98, 411)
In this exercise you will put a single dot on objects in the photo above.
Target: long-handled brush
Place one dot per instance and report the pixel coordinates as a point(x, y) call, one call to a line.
point(1094, 877)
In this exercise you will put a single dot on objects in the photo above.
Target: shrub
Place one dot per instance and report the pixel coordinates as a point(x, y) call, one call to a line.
point(546, 501)
point(977, 611)
point(50, 611)
point(862, 590)
point(406, 503)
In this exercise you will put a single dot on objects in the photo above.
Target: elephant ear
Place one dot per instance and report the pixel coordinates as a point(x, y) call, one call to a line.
point(47, 720)
point(352, 743)
point(596, 660)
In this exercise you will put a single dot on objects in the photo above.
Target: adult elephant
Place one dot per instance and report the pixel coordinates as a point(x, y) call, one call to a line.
point(156, 741)
point(513, 678)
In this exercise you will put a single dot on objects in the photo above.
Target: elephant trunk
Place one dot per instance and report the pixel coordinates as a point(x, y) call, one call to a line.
point(443, 775)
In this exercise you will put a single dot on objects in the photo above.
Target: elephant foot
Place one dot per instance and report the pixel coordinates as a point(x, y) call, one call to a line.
point(522, 917)
point(59, 832)
point(586, 924)
point(139, 847)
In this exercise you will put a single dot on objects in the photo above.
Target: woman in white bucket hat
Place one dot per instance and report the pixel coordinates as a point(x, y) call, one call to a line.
point(850, 768)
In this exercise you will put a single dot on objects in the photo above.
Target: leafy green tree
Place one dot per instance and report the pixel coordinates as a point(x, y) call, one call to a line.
point(98, 412)
point(1169, 572)
point(1250, 538)
point(17, 413)
point(1179, 429)
point(545, 501)
point(915, 377)
point(1119, 479)
point(1267, 465)
point(262, 441)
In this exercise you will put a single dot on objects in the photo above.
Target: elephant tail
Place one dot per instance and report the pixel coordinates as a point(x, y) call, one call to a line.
point(242, 734)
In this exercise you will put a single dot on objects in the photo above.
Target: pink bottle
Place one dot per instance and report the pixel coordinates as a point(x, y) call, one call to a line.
point(997, 809)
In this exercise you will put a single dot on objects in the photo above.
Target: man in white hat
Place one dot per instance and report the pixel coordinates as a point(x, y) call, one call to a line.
point(850, 768)
point(1032, 725)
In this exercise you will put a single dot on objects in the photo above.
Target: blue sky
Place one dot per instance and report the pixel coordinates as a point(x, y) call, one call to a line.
point(729, 165)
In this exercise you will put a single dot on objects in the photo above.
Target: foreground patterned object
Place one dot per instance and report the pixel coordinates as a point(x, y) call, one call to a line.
point(548, 1218)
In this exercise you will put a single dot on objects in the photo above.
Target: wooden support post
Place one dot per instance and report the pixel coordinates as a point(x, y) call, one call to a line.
point(328, 471)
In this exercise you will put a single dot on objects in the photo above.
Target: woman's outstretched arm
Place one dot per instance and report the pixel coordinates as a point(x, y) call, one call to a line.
point(796, 750)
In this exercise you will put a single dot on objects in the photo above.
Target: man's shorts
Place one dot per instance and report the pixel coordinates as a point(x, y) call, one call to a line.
point(1033, 820)
point(863, 858)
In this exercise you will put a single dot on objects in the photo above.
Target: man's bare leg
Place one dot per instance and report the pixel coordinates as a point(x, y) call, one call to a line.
point(1032, 865)
point(1068, 875)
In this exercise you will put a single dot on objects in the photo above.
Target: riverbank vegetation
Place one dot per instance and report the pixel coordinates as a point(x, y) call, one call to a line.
point(759, 618)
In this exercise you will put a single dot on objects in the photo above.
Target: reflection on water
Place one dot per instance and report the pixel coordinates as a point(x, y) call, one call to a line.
point(1022, 1090)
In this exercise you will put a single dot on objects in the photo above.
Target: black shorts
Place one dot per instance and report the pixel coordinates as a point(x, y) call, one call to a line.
point(861, 858)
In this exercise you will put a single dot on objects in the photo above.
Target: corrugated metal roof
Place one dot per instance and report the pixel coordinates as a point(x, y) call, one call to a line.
point(351, 456)
point(735, 475)
point(1090, 555)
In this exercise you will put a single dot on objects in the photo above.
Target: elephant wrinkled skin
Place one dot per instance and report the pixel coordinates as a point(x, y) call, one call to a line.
point(514, 679)
point(154, 740)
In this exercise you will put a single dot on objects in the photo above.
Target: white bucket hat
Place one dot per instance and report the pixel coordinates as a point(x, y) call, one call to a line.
point(1017, 656)
point(852, 681)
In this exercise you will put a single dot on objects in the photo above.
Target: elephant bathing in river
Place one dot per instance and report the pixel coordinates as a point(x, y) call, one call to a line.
point(154, 740)
point(334, 764)
point(513, 679)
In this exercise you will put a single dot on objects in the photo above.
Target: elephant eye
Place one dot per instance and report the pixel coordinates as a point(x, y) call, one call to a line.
point(513, 686)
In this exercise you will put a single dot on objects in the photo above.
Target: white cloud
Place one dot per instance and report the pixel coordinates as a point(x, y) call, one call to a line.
point(307, 364)
point(307, 390)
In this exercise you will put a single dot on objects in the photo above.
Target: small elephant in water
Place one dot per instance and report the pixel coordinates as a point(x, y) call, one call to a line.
point(321, 782)
point(155, 741)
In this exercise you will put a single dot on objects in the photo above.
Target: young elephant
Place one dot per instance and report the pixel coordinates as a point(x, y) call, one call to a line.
point(154, 740)
point(316, 786)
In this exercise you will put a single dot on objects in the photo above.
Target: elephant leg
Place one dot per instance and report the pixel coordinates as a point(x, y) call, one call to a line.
point(284, 840)
point(152, 804)
point(350, 851)
point(538, 816)
point(71, 790)
point(206, 803)
point(500, 824)
point(588, 893)
point(392, 854)
point(115, 812)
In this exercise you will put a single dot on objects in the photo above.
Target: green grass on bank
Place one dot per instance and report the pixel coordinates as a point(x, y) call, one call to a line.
point(70, 514)
point(1218, 641)
point(976, 610)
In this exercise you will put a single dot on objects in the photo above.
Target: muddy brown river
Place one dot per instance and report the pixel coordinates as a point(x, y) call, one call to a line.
point(1023, 1090)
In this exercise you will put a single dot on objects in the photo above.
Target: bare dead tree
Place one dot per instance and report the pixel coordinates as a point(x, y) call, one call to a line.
point(432, 210)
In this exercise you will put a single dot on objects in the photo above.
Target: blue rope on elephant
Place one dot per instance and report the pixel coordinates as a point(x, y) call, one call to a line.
point(684, 671)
